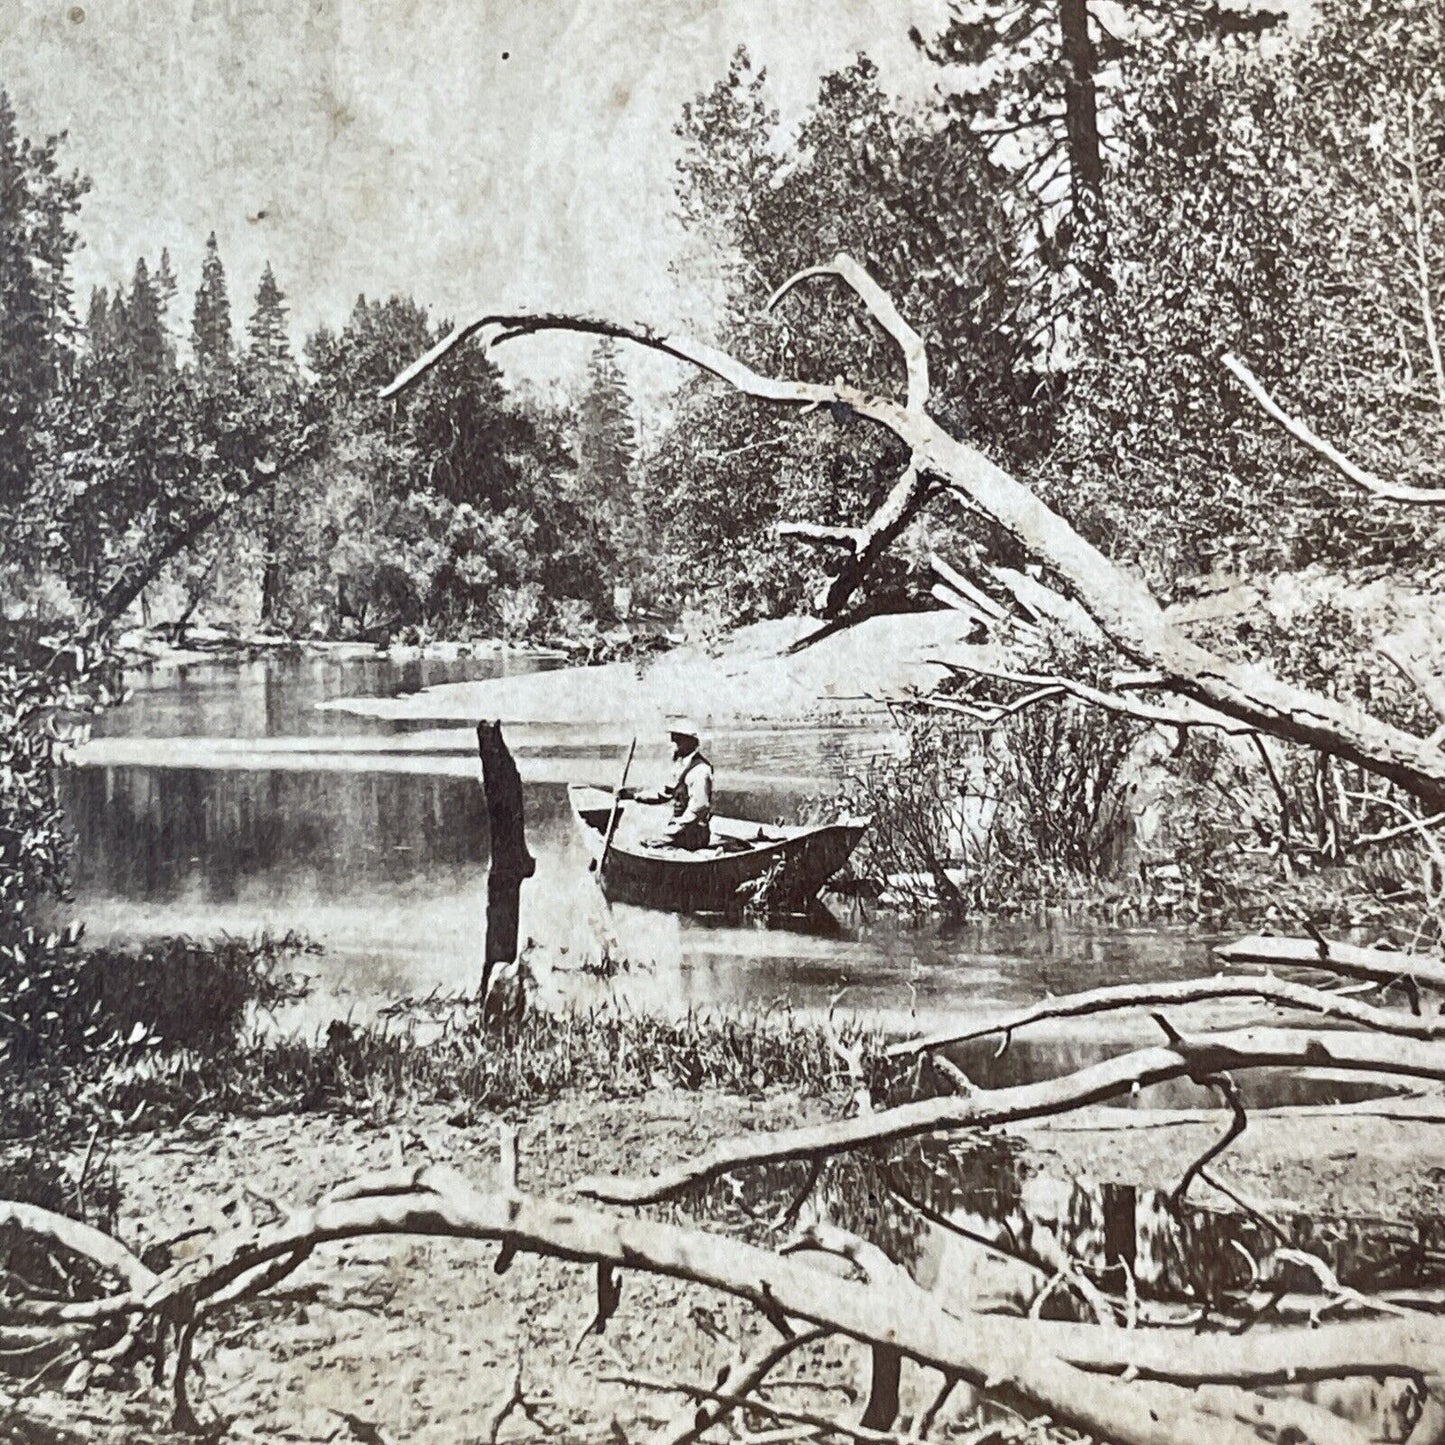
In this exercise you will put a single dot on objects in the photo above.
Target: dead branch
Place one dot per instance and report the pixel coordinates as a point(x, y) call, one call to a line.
point(1118, 602)
point(101, 1249)
point(882, 310)
point(1041, 1365)
point(727, 1401)
point(1200, 1057)
point(504, 1407)
point(739, 1381)
point(1238, 1123)
point(1047, 686)
point(1390, 491)
point(976, 595)
point(1378, 965)
point(865, 544)
point(1430, 687)
point(1422, 258)
point(1114, 997)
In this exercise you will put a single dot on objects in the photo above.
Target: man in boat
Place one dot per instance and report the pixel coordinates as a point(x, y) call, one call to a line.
point(690, 792)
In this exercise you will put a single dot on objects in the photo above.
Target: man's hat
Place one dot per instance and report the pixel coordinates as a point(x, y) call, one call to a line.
point(683, 727)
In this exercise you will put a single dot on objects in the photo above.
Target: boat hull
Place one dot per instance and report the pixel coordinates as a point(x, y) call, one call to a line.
point(779, 869)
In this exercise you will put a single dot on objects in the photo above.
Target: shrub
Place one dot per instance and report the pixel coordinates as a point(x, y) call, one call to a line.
point(517, 609)
point(1035, 811)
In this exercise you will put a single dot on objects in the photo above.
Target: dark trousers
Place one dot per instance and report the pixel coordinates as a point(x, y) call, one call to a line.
point(690, 835)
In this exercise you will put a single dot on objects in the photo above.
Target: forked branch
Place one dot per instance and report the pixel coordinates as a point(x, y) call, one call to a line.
point(882, 309)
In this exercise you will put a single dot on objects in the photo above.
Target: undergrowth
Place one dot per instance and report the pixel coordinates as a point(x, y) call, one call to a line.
point(447, 1052)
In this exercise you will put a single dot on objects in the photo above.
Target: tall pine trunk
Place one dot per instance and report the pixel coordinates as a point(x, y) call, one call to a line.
point(1081, 109)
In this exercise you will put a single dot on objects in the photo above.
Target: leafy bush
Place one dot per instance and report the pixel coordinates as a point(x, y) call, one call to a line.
point(86, 1007)
point(517, 609)
point(1034, 811)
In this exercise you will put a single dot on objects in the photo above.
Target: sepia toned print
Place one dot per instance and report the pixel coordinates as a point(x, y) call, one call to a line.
point(722, 722)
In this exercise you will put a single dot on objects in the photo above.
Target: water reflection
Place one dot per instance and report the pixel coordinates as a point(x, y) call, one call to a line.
point(276, 696)
point(220, 799)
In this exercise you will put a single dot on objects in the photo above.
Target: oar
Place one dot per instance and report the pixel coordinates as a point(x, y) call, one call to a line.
point(616, 811)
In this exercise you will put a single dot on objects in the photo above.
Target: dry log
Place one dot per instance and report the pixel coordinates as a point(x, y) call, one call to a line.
point(1202, 1057)
point(1039, 1366)
point(1115, 997)
point(1377, 965)
point(93, 1244)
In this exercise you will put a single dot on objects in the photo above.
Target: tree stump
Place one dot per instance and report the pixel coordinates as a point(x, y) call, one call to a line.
point(511, 864)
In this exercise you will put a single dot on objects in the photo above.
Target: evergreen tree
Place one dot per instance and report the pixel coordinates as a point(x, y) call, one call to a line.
point(166, 288)
point(23, 332)
point(37, 204)
point(98, 336)
point(270, 348)
point(211, 316)
point(147, 350)
point(607, 437)
point(270, 363)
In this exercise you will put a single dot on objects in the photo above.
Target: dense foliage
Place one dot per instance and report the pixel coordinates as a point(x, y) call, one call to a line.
point(1080, 227)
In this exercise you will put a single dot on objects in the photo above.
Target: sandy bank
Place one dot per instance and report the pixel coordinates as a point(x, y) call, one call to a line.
point(751, 676)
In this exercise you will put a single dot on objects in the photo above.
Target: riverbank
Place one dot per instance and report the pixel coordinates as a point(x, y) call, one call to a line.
point(155, 647)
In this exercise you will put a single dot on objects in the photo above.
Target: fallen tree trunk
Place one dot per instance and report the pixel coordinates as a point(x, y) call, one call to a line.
point(1200, 1058)
point(1118, 602)
point(1115, 997)
point(1377, 965)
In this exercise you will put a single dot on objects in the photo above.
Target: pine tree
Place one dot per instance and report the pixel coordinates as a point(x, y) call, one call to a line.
point(607, 437)
point(607, 450)
point(270, 348)
point(269, 359)
point(144, 337)
point(211, 317)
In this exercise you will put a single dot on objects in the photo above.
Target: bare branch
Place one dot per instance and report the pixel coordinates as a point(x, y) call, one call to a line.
point(1430, 686)
point(1378, 965)
point(1390, 491)
point(882, 310)
point(1049, 685)
point(866, 544)
point(1422, 260)
point(101, 1249)
point(817, 535)
point(1192, 990)
point(734, 1388)
point(1208, 1054)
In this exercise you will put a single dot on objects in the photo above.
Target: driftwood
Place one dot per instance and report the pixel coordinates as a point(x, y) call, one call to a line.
point(1376, 965)
point(1056, 1369)
point(1115, 997)
point(1204, 1057)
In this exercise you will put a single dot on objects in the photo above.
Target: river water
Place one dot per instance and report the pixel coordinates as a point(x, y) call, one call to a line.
point(220, 799)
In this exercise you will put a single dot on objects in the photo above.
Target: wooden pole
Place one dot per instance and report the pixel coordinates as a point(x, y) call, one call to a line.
point(616, 812)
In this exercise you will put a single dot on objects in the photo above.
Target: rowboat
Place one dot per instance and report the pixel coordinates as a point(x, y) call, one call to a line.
point(782, 867)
